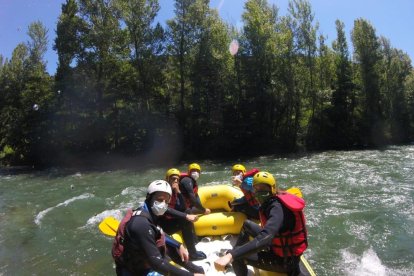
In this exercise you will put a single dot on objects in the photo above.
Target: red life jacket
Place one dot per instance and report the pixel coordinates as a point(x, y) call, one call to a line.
point(248, 195)
point(171, 205)
point(291, 242)
point(118, 243)
point(252, 172)
point(188, 203)
point(250, 198)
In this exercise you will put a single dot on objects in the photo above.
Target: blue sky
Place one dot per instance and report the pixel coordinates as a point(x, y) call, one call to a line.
point(391, 19)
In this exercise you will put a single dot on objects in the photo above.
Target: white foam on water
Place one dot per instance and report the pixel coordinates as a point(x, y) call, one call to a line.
point(41, 214)
point(116, 213)
point(129, 190)
point(367, 265)
point(213, 250)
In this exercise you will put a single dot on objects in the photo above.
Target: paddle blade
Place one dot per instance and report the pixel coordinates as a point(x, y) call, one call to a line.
point(109, 226)
point(295, 191)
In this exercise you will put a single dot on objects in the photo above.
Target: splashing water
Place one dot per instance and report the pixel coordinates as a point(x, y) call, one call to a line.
point(367, 265)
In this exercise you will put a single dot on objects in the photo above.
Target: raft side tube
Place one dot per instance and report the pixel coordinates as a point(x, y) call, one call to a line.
point(217, 197)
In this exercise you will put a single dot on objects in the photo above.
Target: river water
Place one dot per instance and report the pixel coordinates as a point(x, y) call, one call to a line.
point(360, 212)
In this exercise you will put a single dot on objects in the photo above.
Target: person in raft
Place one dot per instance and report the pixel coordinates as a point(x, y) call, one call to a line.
point(141, 247)
point(247, 204)
point(173, 220)
point(189, 189)
point(279, 243)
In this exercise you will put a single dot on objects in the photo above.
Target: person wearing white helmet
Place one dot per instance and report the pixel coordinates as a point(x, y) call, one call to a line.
point(144, 243)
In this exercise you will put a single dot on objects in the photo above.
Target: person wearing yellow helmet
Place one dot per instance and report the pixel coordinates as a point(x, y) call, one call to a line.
point(175, 220)
point(238, 168)
point(189, 189)
point(280, 240)
point(247, 204)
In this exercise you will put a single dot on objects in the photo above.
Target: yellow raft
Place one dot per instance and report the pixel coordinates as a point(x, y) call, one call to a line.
point(220, 222)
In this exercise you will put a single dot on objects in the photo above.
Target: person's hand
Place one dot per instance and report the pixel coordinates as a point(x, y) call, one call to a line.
point(183, 253)
point(236, 180)
point(221, 263)
point(207, 211)
point(191, 218)
point(175, 187)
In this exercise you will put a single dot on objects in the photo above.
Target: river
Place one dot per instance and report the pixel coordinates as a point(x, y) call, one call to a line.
point(360, 212)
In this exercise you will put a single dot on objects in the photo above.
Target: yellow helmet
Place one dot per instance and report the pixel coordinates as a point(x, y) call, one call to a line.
point(172, 171)
point(194, 166)
point(238, 167)
point(265, 178)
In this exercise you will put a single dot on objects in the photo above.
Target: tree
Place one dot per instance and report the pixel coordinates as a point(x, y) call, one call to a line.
point(304, 30)
point(211, 71)
point(367, 57)
point(259, 55)
point(409, 90)
point(395, 68)
point(343, 98)
point(28, 101)
point(98, 64)
point(181, 40)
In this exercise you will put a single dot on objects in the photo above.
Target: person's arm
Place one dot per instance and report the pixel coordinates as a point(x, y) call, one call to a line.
point(187, 185)
point(265, 237)
point(143, 233)
point(175, 213)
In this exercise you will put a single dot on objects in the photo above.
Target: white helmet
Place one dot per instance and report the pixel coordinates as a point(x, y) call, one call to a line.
point(159, 186)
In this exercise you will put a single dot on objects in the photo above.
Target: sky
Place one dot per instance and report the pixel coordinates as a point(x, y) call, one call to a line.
point(391, 19)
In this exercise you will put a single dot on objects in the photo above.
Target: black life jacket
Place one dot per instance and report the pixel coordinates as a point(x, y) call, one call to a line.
point(121, 241)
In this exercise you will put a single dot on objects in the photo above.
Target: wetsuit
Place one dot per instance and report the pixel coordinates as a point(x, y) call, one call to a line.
point(257, 252)
point(187, 189)
point(174, 221)
point(141, 254)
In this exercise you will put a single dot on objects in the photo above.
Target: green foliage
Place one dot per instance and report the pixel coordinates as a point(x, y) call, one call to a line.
point(125, 85)
point(7, 150)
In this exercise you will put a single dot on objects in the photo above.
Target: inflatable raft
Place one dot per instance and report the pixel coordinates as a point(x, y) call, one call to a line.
point(217, 231)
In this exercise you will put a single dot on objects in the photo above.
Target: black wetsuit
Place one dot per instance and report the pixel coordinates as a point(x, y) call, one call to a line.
point(141, 254)
point(177, 222)
point(258, 252)
point(186, 188)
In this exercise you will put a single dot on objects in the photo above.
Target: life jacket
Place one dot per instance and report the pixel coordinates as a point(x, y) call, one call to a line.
point(252, 172)
point(171, 205)
point(248, 195)
point(188, 203)
point(291, 242)
point(120, 241)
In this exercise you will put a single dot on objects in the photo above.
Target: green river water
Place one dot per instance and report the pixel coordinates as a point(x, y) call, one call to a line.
point(360, 212)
